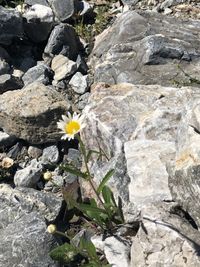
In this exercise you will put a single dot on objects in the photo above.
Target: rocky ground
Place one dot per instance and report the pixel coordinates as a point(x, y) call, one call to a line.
point(133, 69)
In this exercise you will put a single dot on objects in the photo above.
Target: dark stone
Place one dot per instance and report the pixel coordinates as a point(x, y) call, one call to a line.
point(63, 40)
point(9, 82)
point(10, 25)
point(40, 73)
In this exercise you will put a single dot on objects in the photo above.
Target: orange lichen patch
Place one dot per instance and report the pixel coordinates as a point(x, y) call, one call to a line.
point(185, 158)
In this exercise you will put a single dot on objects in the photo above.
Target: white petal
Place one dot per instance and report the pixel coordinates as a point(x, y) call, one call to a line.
point(65, 118)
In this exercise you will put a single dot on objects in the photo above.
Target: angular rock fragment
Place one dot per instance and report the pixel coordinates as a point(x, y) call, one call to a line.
point(63, 40)
point(63, 67)
point(40, 73)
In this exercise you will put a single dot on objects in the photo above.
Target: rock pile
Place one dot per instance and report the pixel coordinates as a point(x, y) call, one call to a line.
point(143, 109)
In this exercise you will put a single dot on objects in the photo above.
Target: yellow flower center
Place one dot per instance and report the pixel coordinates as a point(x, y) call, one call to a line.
point(72, 127)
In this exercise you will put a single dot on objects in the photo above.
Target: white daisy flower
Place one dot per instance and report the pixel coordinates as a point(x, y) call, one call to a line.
point(71, 125)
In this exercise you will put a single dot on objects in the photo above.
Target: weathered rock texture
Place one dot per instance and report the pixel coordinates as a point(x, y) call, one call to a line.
point(32, 112)
point(146, 48)
point(165, 239)
point(24, 240)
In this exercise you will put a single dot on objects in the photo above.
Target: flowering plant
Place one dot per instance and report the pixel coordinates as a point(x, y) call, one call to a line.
point(102, 211)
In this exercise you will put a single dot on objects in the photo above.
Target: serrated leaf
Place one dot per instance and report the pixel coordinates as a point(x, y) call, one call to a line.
point(105, 180)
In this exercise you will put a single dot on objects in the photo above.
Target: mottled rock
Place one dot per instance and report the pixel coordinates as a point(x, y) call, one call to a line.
point(9, 82)
point(165, 240)
point(63, 67)
point(34, 152)
point(63, 40)
point(27, 200)
point(30, 175)
point(40, 73)
point(10, 25)
point(50, 155)
point(144, 49)
point(39, 22)
point(24, 240)
point(32, 113)
point(185, 179)
point(147, 118)
point(79, 83)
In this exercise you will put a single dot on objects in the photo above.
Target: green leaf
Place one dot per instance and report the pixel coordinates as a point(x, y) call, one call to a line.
point(107, 194)
point(73, 170)
point(88, 207)
point(90, 248)
point(64, 253)
point(105, 180)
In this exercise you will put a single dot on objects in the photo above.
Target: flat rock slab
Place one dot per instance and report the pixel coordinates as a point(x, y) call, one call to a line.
point(147, 48)
point(32, 113)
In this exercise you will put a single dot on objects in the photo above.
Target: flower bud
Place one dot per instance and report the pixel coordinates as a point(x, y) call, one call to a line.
point(47, 176)
point(51, 229)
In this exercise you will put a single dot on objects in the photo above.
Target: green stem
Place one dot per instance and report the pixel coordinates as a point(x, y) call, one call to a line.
point(83, 151)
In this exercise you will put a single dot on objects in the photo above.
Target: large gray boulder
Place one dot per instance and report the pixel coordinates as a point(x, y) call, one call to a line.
point(32, 113)
point(147, 48)
point(24, 239)
point(10, 25)
point(136, 126)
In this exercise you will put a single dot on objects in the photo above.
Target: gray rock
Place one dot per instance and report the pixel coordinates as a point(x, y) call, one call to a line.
point(146, 164)
point(30, 175)
point(4, 67)
point(168, 3)
point(27, 200)
point(34, 2)
point(116, 250)
point(40, 73)
point(63, 67)
point(10, 25)
point(184, 180)
point(24, 240)
point(82, 101)
point(32, 113)
point(63, 9)
point(63, 40)
point(165, 240)
point(6, 140)
point(34, 152)
point(142, 49)
point(9, 82)
point(50, 155)
point(79, 83)
point(144, 118)
point(17, 151)
point(39, 22)
point(4, 54)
